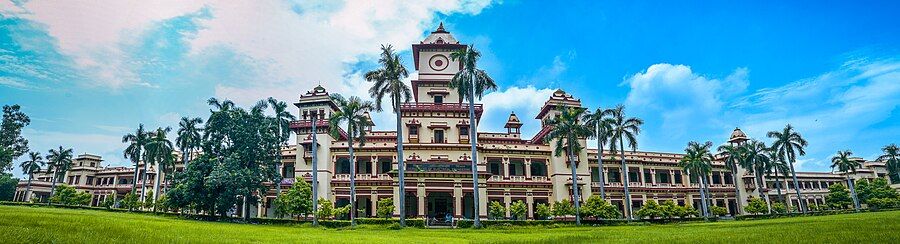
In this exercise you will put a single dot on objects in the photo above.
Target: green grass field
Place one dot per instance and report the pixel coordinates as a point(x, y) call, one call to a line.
point(42, 225)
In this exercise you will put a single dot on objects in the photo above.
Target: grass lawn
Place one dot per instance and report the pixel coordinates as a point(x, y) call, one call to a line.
point(20, 224)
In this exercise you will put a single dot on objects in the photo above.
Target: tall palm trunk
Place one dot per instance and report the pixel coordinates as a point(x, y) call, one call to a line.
point(156, 185)
point(853, 192)
point(778, 187)
point(352, 178)
point(27, 197)
point(709, 202)
point(625, 174)
point(144, 182)
point(136, 166)
point(473, 139)
point(797, 189)
point(401, 168)
point(575, 194)
point(737, 190)
point(315, 174)
point(759, 187)
point(278, 165)
point(53, 179)
point(704, 208)
point(600, 163)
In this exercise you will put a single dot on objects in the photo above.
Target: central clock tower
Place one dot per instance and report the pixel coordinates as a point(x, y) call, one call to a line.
point(432, 60)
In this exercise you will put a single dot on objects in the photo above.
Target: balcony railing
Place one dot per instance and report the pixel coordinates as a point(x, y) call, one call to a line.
point(445, 107)
point(635, 184)
point(540, 178)
point(517, 178)
point(495, 178)
point(342, 177)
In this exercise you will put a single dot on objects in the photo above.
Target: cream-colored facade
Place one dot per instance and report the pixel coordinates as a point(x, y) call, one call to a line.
point(437, 154)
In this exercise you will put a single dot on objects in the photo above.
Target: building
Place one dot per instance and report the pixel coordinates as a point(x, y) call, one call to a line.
point(511, 166)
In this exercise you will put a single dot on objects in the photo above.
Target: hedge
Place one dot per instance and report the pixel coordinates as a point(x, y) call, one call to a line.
point(467, 223)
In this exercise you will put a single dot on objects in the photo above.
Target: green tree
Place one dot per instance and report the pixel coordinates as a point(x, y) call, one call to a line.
point(385, 208)
point(838, 196)
point(109, 202)
point(718, 211)
point(12, 144)
point(59, 161)
point(130, 201)
point(326, 210)
point(876, 189)
point(296, 201)
point(598, 208)
point(518, 209)
point(542, 211)
point(388, 81)
point(650, 210)
point(470, 83)
point(624, 131)
point(776, 166)
point(341, 212)
point(844, 164)
point(566, 133)
point(353, 112)
point(779, 208)
point(756, 206)
point(601, 125)
point(756, 162)
point(135, 151)
point(732, 155)
point(189, 138)
point(789, 144)
point(7, 186)
point(67, 195)
point(496, 210)
point(283, 120)
point(697, 161)
point(563, 208)
point(149, 201)
point(892, 161)
point(29, 167)
point(159, 152)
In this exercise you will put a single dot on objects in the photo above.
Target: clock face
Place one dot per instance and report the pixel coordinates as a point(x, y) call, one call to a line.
point(438, 62)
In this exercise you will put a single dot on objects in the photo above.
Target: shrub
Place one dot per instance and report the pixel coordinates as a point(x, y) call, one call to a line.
point(130, 201)
point(883, 203)
point(496, 210)
point(718, 211)
point(563, 208)
point(342, 212)
point(385, 208)
point(542, 211)
point(757, 206)
point(326, 210)
point(518, 210)
point(598, 208)
point(148, 200)
point(650, 210)
point(779, 208)
point(109, 202)
point(838, 196)
point(876, 189)
point(67, 195)
point(296, 201)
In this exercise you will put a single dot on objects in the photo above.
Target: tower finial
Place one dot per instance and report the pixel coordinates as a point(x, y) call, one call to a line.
point(440, 28)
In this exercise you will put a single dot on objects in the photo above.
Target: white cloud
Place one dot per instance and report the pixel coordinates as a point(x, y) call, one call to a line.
point(681, 97)
point(526, 102)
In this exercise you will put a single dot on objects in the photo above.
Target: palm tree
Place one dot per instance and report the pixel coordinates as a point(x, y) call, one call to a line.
point(844, 164)
point(892, 154)
point(136, 143)
point(59, 161)
point(789, 144)
point(697, 161)
point(29, 167)
point(283, 118)
point(624, 131)
point(776, 165)
point(353, 112)
point(732, 155)
point(388, 81)
point(188, 138)
point(600, 125)
point(757, 162)
point(471, 82)
point(159, 153)
point(566, 131)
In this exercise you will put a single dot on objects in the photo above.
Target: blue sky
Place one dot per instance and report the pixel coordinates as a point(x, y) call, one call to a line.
point(88, 72)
